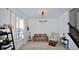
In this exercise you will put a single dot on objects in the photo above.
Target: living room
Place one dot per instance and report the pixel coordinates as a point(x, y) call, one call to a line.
point(39, 21)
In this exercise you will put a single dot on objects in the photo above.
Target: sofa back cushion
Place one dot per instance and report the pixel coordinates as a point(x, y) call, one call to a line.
point(37, 35)
point(54, 36)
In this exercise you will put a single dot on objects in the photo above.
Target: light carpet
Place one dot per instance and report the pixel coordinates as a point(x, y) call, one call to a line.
point(41, 46)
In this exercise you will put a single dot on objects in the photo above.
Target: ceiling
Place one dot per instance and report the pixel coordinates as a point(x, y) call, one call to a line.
point(51, 12)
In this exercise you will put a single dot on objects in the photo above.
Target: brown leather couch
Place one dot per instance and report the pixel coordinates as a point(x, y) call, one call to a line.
point(40, 37)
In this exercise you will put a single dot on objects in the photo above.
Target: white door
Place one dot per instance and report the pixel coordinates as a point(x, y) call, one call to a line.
point(19, 28)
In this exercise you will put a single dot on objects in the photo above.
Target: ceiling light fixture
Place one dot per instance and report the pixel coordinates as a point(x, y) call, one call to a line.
point(42, 13)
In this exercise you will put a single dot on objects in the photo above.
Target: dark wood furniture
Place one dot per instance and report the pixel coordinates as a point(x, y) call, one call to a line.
point(40, 37)
point(74, 34)
point(53, 39)
point(6, 42)
point(52, 43)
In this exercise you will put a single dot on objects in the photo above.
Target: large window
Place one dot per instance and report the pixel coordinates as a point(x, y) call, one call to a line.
point(19, 27)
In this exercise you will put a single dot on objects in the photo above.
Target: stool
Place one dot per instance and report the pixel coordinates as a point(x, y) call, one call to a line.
point(52, 43)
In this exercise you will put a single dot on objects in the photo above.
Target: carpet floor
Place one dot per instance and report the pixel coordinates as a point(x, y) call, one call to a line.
point(41, 46)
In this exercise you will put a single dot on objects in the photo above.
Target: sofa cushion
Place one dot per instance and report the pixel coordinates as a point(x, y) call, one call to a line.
point(37, 35)
point(40, 37)
point(54, 37)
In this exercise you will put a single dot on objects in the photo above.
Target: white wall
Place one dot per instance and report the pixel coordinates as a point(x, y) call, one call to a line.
point(64, 28)
point(43, 27)
point(19, 42)
point(58, 25)
point(5, 18)
point(62, 21)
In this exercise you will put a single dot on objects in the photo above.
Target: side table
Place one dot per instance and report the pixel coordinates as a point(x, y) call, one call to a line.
point(65, 42)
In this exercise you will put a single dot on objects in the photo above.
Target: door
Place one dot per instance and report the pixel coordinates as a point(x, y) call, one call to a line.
point(19, 28)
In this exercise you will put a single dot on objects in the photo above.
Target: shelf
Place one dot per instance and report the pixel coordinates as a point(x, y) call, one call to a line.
point(6, 47)
point(2, 28)
point(6, 43)
point(4, 33)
